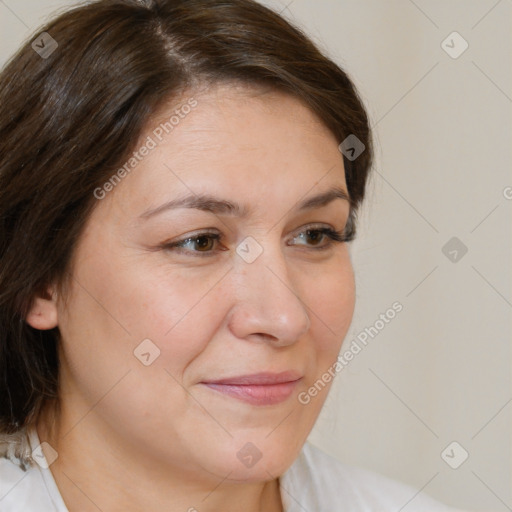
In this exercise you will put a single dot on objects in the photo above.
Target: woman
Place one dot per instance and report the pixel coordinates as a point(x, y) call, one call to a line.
point(179, 182)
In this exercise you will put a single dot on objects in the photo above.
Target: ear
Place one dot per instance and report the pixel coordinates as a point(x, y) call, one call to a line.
point(42, 314)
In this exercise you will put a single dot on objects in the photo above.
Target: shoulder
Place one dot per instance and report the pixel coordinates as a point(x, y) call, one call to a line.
point(21, 489)
point(317, 481)
point(23, 485)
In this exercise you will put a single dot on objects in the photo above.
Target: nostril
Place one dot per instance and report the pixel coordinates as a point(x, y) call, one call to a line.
point(264, 335)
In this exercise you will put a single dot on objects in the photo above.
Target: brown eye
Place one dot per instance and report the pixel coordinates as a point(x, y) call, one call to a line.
point(200, 244)
point(315, 236)
point(204, 243)
point(321, 238)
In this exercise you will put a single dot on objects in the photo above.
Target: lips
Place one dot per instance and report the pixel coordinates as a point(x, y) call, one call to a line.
point(258, 389)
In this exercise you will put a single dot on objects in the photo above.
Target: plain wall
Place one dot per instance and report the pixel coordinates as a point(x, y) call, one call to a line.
point(439, 371)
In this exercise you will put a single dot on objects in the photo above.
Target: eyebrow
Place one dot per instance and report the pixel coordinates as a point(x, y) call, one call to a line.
point(209, 203)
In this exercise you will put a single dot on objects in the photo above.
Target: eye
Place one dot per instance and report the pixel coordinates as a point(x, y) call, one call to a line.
point(202, 244)
point(206, 243)
point(314, 237)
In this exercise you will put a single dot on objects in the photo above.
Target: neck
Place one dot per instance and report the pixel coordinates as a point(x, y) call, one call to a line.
point(95, 471)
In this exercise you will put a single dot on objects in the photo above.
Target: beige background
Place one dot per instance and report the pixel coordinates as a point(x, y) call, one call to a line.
point(440, 370)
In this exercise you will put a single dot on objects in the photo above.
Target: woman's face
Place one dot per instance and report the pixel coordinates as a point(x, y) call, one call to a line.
point(193, 356)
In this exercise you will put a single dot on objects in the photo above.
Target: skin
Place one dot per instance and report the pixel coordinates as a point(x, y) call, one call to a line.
point(133, 437)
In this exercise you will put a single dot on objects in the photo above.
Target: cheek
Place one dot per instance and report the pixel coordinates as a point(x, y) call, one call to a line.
point(113, 308)
point(109, 321)
point(178, 312)
point(330, 298)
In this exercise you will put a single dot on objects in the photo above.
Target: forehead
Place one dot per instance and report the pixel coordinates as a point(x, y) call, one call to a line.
point(238, 117)
point(239, 142)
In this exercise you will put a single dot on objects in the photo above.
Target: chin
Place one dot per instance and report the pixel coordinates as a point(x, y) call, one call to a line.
point(254, 457)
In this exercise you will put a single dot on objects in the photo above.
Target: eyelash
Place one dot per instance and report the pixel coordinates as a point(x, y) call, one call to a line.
point(332, 235)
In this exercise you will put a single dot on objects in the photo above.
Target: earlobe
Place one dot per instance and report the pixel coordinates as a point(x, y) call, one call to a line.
point(42, 314)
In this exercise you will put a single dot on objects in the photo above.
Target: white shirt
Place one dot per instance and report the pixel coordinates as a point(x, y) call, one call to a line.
point(315, 482)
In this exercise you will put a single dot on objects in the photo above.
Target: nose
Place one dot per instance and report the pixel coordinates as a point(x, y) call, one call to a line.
point(267, 307)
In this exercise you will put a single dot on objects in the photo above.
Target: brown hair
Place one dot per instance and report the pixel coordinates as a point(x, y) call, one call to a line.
point(69, 117)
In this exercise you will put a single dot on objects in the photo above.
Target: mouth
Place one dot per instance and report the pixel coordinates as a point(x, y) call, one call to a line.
point(258, 389)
